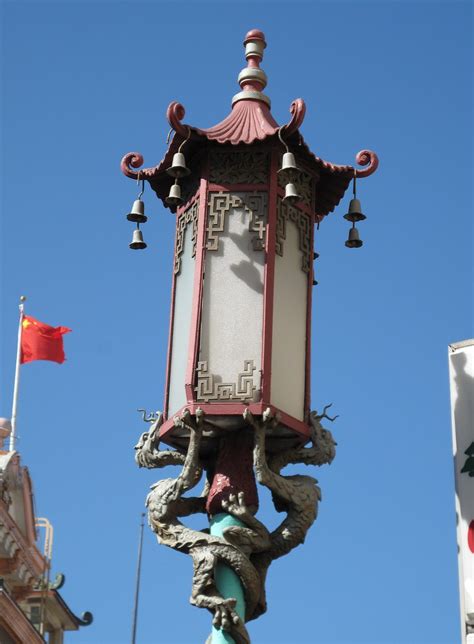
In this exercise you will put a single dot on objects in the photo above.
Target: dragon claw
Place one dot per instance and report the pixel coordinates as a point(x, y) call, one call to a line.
point(225, 615)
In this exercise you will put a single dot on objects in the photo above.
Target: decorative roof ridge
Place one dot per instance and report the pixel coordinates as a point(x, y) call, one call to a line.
point(252, 79)
point(249, 121)
point(250, 118)
point(86, 617)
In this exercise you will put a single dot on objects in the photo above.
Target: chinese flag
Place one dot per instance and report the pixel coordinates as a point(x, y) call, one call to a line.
point(39, 341)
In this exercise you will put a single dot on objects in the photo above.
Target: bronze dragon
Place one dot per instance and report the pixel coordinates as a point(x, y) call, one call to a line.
point(247, 550)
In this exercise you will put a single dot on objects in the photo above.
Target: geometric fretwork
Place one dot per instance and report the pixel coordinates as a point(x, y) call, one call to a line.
point(253, 203)
point(303, 223)
point(238, 167)
point(207, 389)
point(188, 216)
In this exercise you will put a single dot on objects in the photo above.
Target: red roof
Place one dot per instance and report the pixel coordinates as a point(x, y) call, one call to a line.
point(249, 122)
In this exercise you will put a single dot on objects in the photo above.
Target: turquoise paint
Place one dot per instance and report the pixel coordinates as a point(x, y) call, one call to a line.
point(227, 582)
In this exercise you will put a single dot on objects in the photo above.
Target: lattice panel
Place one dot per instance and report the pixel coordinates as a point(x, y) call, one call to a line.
point(220, 203)
point(209, 390)
point(189, 186)
point(286, 212)
point(189, 216)
point(229, 168)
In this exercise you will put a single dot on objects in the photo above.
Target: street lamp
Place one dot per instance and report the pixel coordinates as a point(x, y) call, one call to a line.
point(247, 194)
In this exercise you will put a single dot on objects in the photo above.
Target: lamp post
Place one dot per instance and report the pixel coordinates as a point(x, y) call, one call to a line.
point(247, 194)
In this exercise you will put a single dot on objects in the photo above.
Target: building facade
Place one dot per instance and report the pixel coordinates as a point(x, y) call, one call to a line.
point(31, 608)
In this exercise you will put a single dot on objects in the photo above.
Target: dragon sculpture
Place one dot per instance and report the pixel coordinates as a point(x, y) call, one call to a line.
point(247, 549)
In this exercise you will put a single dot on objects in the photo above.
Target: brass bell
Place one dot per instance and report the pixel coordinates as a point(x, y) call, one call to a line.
point(353, 240)
point(137, 242)
point(174, 198)
point(178, 168)
point(355, 213)
point(137, 213)
point(291, 194)
point(288, 169)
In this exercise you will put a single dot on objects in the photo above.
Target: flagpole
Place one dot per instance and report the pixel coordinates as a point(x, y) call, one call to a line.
point(137, 584)
point(17, 376)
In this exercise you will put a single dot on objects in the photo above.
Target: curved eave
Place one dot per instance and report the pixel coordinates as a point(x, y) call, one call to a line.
point(333, 179)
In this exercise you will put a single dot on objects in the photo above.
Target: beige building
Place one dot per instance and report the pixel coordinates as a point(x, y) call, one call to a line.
point(31, 607)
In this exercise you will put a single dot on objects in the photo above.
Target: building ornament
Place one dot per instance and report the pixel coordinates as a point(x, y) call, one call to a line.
point(209, 389)
point(221, 203)
point(189, 216)
point(249, 549)
point(246, 167)
point(285, 213)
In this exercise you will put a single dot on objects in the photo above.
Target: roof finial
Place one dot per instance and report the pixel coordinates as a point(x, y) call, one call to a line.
point(252, 79)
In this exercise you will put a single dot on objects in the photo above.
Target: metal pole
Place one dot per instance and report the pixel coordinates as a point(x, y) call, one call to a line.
point(137, 584)
point(17, 376)
point(227, 582)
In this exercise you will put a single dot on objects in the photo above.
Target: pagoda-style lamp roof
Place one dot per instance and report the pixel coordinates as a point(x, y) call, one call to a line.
point(250, 122)
point(248, 194)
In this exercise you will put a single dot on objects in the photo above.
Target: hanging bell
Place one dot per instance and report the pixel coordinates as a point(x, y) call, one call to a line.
point(353, 240)
point(174, 198)
point(178, 168)
point(137, 242)
point(137, 213)
point(355, 213)
point(288, 169)
point(291, 194)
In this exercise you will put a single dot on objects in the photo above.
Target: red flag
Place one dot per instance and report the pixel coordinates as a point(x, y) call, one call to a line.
point(39, 341)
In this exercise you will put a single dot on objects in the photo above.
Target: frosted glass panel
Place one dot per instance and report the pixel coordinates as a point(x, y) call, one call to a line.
point(289, 327)
point(232, 311)
point(181, 325)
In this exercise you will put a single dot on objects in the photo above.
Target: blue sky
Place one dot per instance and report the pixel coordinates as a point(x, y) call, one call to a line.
point(84, 83)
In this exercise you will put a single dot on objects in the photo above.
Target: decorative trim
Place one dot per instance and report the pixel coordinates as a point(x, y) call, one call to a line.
point(198, 285)
point(187, 217)
point(12, 541)
point(207, 389)
point(286, 212)
point(129, 161)
point(368, 158)
point(220, 203)
point(297, 111)
point(238, 167)
point(228, 409)
point(251, 95)
point(175, 114)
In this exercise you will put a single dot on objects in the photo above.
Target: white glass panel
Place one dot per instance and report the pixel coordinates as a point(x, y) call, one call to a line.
point(181, 325)
point(289, 327)
point(232, 310)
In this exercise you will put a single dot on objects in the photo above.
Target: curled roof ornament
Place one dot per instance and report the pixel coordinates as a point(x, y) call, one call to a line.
point(250, 121)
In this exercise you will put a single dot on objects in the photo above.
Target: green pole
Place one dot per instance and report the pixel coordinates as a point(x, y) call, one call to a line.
point(227, 582)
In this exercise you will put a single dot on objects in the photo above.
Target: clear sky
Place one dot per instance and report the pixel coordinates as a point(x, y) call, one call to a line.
point(86, 82)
